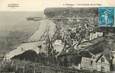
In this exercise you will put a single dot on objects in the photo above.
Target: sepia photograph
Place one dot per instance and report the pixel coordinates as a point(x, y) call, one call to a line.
point(57, 36)
point(56, 40)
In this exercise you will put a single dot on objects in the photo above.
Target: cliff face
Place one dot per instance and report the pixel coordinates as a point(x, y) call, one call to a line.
point(46, 28)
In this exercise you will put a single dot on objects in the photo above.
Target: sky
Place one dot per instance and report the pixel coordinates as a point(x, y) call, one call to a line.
point(40, 5)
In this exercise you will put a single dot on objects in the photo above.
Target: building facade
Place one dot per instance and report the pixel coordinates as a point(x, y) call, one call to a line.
point(90, 64)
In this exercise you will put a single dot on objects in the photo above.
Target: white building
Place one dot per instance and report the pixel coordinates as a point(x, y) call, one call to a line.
point(95, 35)
point(90, 64)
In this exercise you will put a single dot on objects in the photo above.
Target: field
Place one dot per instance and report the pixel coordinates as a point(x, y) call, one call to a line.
point(17, 66)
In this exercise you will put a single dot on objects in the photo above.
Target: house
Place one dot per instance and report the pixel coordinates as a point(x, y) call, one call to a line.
point(97, 62)
point(113, 60)
point(94, 35)
point(113, 53)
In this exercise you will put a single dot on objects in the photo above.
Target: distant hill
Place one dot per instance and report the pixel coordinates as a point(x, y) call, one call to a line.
point(70, 12)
